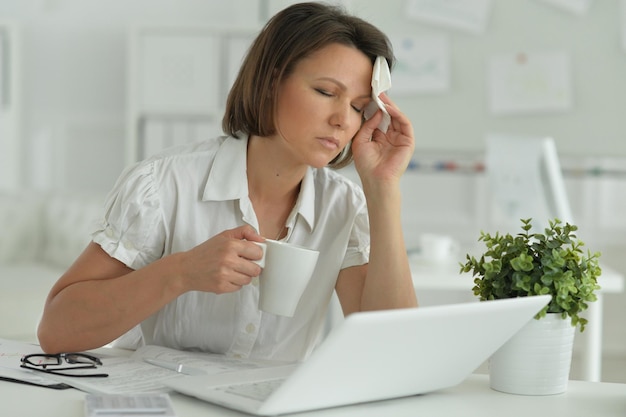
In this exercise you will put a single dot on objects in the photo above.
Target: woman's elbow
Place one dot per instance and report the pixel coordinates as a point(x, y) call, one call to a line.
point(47, 339)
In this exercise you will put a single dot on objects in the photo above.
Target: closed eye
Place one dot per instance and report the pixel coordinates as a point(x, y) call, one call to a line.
point(323, 92)
point(357, 109)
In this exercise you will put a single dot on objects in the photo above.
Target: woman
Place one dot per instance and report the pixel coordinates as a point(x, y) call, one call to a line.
point(176, 249)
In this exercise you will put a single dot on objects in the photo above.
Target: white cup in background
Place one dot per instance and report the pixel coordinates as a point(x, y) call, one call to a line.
point(287, 270)
point(438, 248)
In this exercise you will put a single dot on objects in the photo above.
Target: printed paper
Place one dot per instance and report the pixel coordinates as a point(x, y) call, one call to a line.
point(523, 83)
point(423, 65)
point(469, 15)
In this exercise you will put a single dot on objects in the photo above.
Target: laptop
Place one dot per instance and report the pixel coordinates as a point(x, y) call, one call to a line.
point(374, 356)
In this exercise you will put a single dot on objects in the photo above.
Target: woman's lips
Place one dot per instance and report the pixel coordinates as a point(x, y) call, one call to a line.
point(329, 142)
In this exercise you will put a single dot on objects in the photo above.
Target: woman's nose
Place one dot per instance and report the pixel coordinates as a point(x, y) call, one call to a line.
point(340, 116)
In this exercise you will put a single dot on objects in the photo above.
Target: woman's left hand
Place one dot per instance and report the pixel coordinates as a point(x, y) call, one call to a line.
point(380, 156)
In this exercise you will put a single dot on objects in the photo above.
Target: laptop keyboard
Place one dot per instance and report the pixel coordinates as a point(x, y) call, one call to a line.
point(255, 390)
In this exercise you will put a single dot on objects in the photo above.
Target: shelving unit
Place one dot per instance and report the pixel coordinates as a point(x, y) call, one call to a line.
point(179, 78)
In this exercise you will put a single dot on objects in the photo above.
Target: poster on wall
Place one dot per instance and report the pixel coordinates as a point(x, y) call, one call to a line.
point(268, 8)
point(423, 65)
point(578, 7)
point(529, 83)
point(467, 15)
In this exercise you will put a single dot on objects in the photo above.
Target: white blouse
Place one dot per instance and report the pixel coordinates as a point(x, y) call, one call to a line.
point(176, 200)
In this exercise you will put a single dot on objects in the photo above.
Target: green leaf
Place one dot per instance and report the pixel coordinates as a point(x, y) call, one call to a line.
point(529, 263)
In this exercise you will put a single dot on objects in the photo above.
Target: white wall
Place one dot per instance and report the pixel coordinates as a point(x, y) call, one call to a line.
point(74, 75)
point(74, 72)
point(10, 104)
point(459, 118)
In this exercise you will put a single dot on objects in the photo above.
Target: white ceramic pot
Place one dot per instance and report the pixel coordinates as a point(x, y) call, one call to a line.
point(535, 361)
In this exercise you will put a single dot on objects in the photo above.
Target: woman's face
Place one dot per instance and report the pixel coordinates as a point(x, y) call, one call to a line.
point(320, 104)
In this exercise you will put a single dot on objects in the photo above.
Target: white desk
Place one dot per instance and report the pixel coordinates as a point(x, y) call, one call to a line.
point(473, 397)
point(446, 277)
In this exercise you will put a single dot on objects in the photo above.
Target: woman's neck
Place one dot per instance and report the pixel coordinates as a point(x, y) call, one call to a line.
point(271, 175)
point(273, 185)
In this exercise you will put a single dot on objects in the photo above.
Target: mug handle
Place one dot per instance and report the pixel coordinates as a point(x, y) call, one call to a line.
point(261, 262)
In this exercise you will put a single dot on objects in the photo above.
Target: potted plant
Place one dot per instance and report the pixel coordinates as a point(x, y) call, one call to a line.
point(530, 264)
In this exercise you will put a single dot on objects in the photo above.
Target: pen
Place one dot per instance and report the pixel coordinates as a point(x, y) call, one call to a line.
point(176, 367)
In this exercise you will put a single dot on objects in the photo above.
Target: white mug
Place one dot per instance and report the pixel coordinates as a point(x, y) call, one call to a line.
point(287, 270)
point(438, 248)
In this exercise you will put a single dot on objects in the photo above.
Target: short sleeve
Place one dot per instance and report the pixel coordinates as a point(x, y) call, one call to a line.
point(358, 250)
point(132, 230)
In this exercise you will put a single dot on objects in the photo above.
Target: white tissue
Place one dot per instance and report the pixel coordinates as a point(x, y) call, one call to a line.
point(381, 82)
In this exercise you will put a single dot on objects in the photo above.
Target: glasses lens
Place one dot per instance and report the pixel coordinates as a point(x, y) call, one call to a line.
point(43, 360)
point(81, 358)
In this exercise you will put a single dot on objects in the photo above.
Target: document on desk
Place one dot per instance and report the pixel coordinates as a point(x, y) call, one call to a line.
point(132, 374)
point(10, 354)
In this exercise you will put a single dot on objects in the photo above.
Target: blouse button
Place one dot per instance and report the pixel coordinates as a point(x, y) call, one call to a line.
point(250, 328)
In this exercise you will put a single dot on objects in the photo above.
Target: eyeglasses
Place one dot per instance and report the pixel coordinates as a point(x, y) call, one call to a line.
point(52, 364)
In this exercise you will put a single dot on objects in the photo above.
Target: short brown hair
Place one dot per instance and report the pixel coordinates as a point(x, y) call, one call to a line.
point(291, 35)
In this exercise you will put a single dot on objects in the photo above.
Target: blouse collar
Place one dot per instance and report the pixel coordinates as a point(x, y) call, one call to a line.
point(228, 181)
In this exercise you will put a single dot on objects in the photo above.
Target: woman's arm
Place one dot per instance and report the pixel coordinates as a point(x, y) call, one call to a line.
point(386, 281)
point(99, 298)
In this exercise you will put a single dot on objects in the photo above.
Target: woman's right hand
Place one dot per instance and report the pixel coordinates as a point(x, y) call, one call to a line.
point(224, 262)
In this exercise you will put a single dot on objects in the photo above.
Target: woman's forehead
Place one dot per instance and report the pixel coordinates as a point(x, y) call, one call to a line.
point(345, 64)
